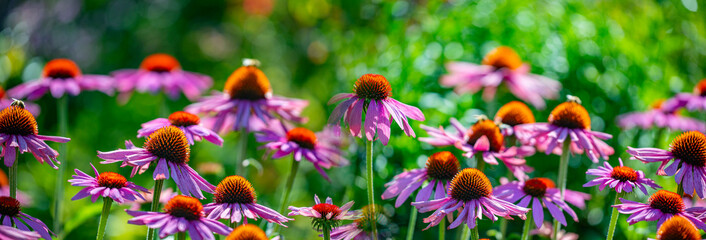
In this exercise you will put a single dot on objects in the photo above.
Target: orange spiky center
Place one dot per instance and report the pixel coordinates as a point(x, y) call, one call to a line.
point(247, 82)
point(325, 209)
point(624, 174)
point(570, 115)
point(61, 69)
point(111, 180)
point(537, 187)
point(515, 113)
point(15, 120)
point(247, 232)
point(442, 166)
point(303, 137)
point(183, 119)
point(169, 143)
point(160, 62)
point(234, 189)
point(9, 206)
point(488, 128)
point(690, 148)
point(503, 57)
point(371, 215)
point(678, 228)
point(470, 184)
point(700, 88)
point(372, 86)
point(184, 206)
point(667, 202)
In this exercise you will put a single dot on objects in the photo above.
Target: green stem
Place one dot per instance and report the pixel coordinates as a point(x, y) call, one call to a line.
point(480, 163)
point(680, 189)
point(614, 217)
point(107, 203)
point(239, 168)
point(155, 204)
point(527, 228)
point(327, 233)
point(13, 178)
point(62, 109)
point(442, 229)
point(474, 233)
point(371, 192)
point(465, 232)
point(561, 178)
point(288, 189)
point(412, 223)
point(181, 235)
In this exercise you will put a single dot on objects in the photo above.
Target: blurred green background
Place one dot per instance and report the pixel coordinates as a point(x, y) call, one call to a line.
point(617, 56)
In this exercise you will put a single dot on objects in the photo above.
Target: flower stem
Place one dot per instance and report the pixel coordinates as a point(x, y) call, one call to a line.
point(480, 163)
point(239, 168)
point(13, 179)
point(527, 228)
point(680, 189)
point(181, 235)
point(412, 223)
point(288, 189)
point(327, 233)
point(62, 109)
point(107, 203)
point(474, 233)
point(464, 233)
point(614, 217)
point(561, 178)
point(371, 192)
point(442, 229)
point(155, 204)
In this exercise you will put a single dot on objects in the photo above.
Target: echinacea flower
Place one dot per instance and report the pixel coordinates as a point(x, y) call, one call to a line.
point(620, 178)
point(326, 214)
point(146, 198)
point(568, 121)
point(235, 200)
point(660, 118)
point(540, 193)
point(62, 76)
point(248, 232)
point(547, 231)
point(320, 149)
point(361, 228)
point(678, 228)
point(372, 94)
point(661, 206)
point(690, 101)
point(18, 131)
point(470, 192)
point(247, 97)
point(511, 115)
point(181, 214)
point(441, 167)
point(107, 184)
point(6, 101)
point(688, 152)
point(170, 151)
point(10, 213)
point(501, 65)
point(483, 138)
point(10, 233)
point(189, 123)
point(162, 72)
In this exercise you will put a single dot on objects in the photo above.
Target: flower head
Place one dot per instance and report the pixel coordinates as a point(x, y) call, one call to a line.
point(161, 72)
point(181, 214)
point(471, 192)
point(513, 114)
point(678, 228)
point(107, 184)
point(248, 232)
point(6, 101)
point(440, 168)
point(234, 198)
point(326, 214)
point(540, 193)
point(691, 101)
point(620, 178)
point(18, 131)
point(61, 76)
point(169, 149)
point(687, 154)
point(661, 206)
point(501, 65)
point(660, 117)
point(10, 212)
point(372, 95)
point(189, 123)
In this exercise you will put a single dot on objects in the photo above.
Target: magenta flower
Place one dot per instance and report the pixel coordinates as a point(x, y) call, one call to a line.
point(620, 178)
point(484, 138)
point(440, 169)
point(10, 233)
point(688, 151)
point(568, 121)
point(235, 199)
point(162, 72)
point(662, 205)
point(107, 184)
point(325, 214)
point(181, 214)
point(372, 95)
point(541, 193)
point(169, 149)
point(690, 101)
point(660, 118)
point(471, 192)
point(18, 130)
point(320, 149)
point(189, 123)
point(10, 213)
point(501, 65)
point(247, 97)
point(61, 76)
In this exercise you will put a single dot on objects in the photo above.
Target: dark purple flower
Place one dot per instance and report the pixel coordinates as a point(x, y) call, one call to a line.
point(107, 184)
point(661, 206)
point(235, 200)
point(10, 213)
point(540, 193)
point(621, 178)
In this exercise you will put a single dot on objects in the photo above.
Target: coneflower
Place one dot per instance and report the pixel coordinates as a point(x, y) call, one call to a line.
point(660, 207)
point(189, 123)
point(678, 228)
point(326, 216)
point(10, 212)
point(248, 232)
point(660, 117)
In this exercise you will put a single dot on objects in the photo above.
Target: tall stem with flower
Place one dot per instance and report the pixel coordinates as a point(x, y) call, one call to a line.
point(62, 109)
point(527, 227)
point(107, 202)
point(370, 175)
point(155, 204)
point(614, 216)
point(561, 178)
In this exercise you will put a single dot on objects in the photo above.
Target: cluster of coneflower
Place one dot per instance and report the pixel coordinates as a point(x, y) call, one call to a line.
point(455, 194)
